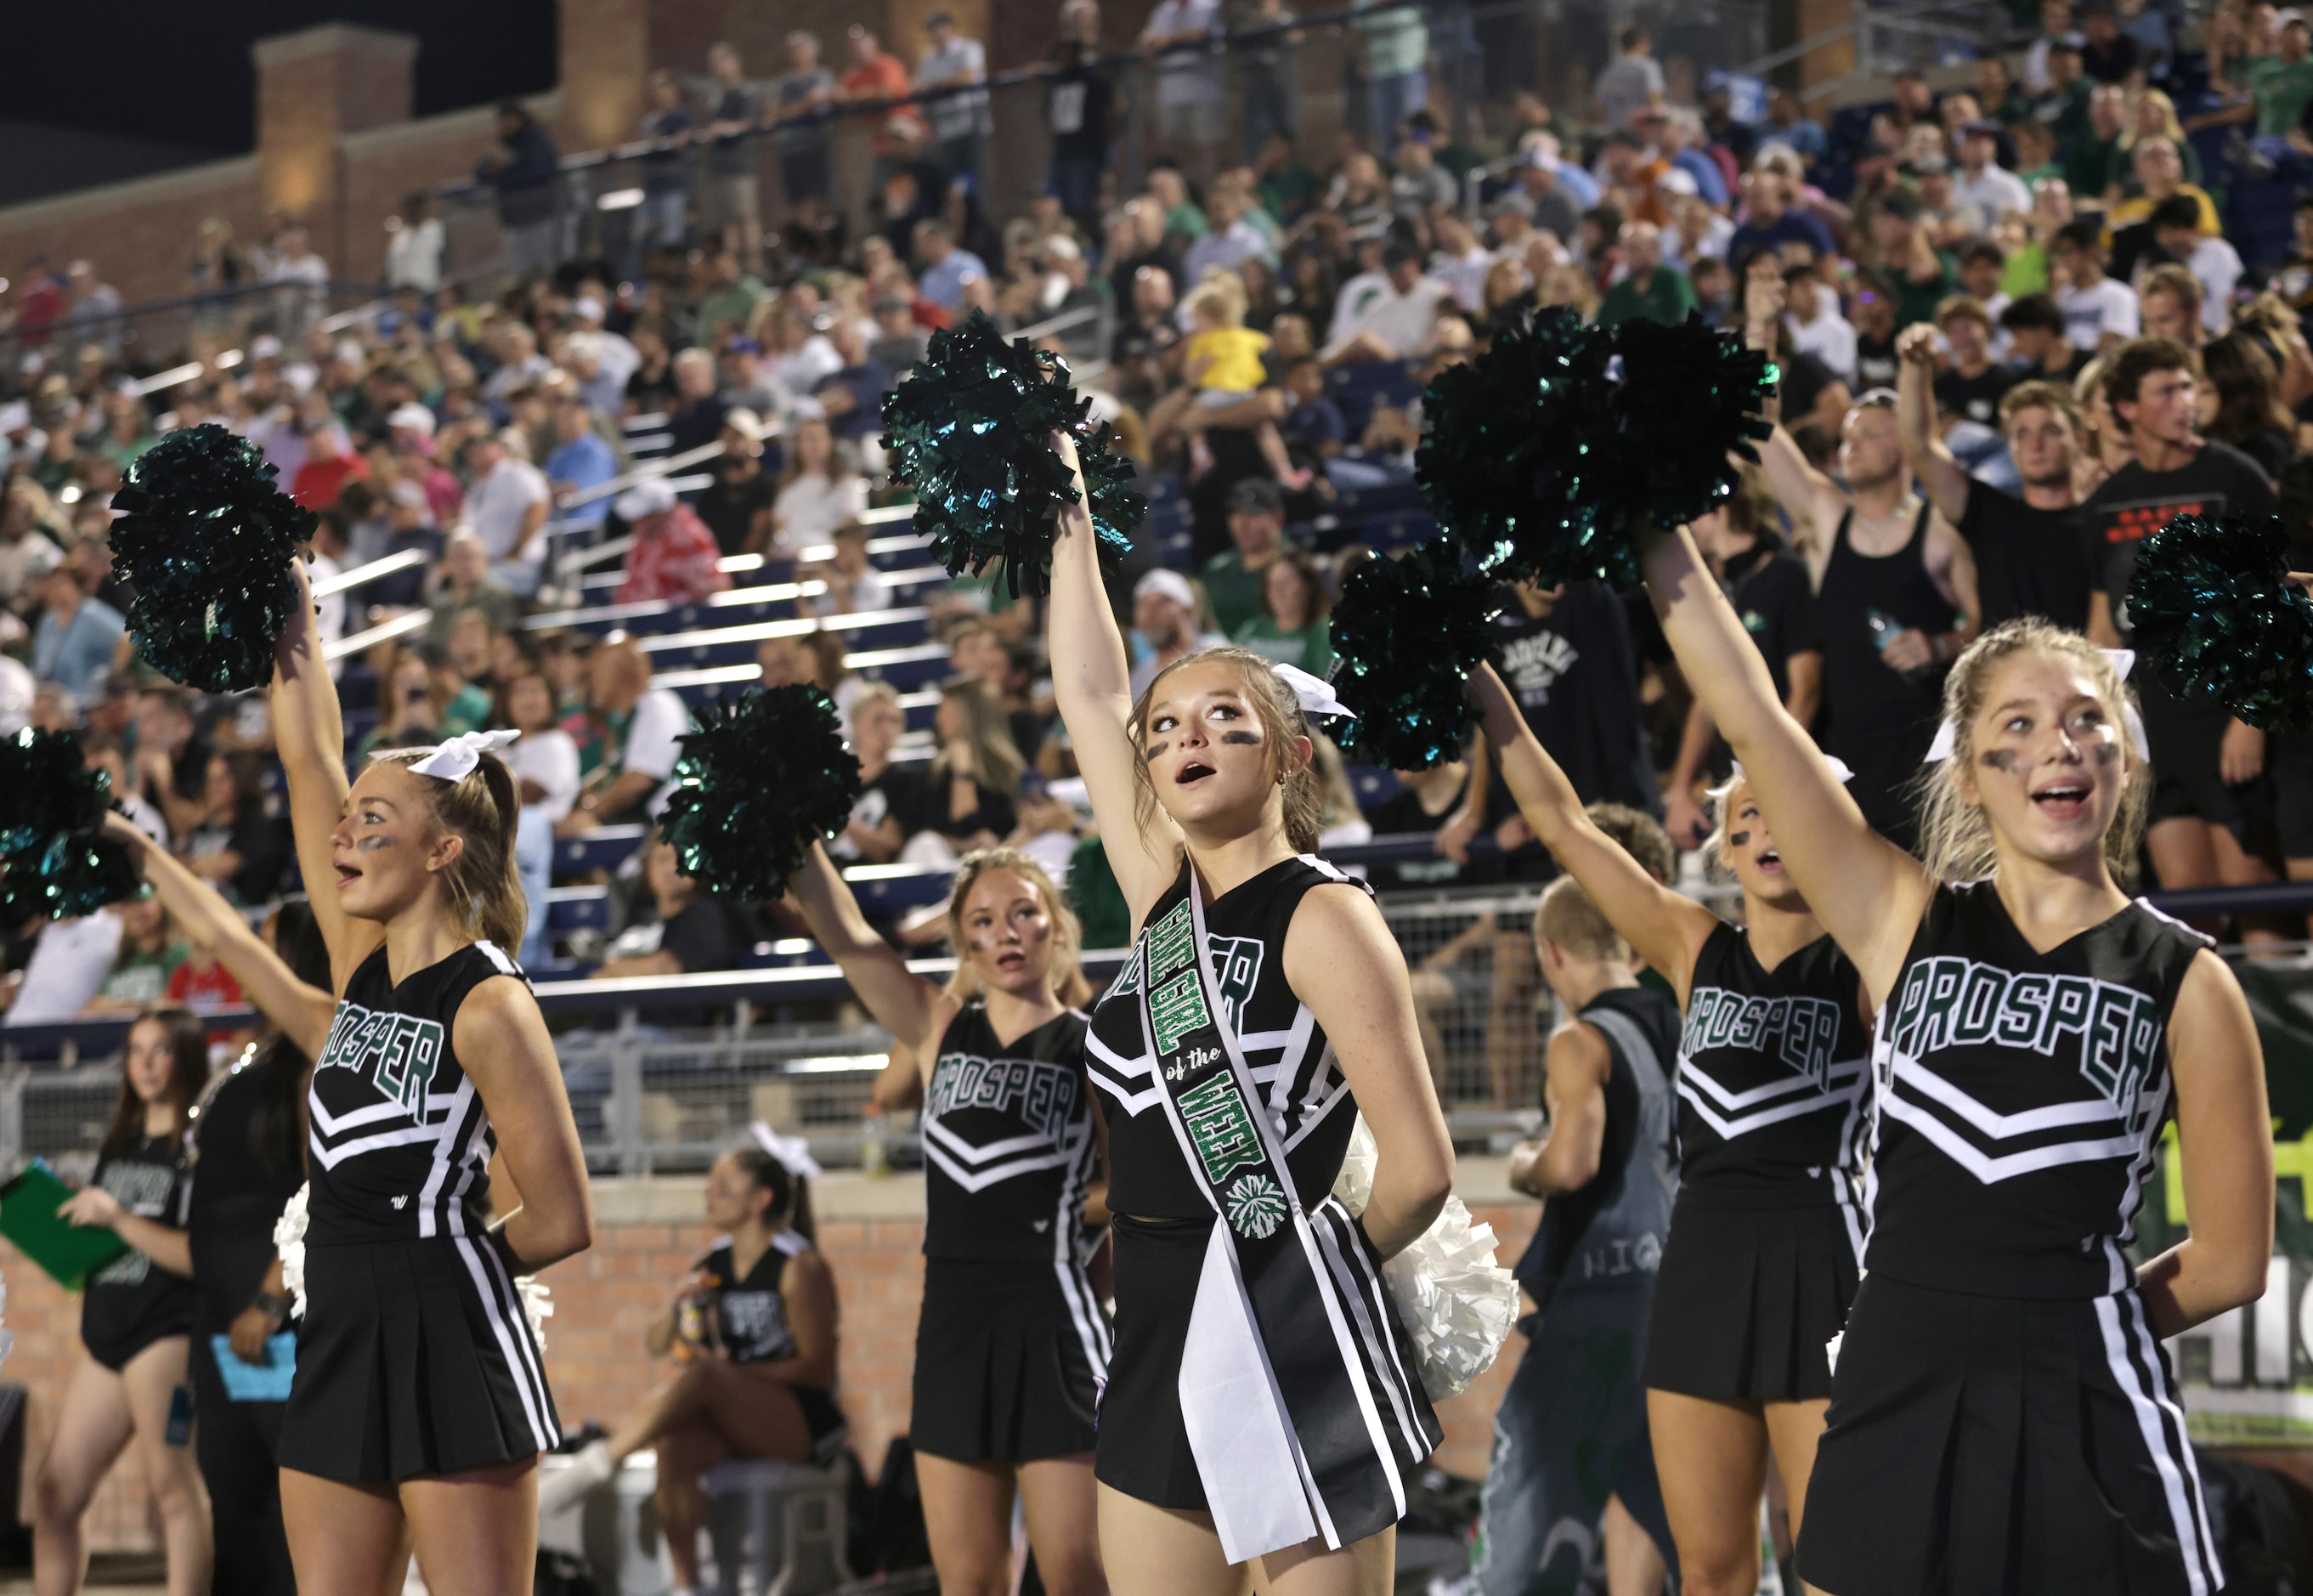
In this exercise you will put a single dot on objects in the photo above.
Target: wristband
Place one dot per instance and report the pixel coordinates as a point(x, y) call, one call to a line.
point(272, 1305)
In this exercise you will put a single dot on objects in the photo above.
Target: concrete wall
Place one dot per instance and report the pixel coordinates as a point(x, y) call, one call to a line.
point(872, 1233)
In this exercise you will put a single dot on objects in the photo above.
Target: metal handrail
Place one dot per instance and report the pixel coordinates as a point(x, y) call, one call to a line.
point(362, 575)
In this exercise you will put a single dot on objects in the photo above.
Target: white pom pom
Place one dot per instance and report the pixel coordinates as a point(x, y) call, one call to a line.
point(289, 1241)
point(1830, 1351)
point(1456, 1303)
point(537, 1305)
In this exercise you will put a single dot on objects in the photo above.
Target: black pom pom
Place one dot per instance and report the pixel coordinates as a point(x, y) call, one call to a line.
point(2212, 609)
point(759, 780)
point(1687, 399)
point(1408, 632)
point(205, 545)
point(53, 858)
point(1506, 460)
point(971, 432)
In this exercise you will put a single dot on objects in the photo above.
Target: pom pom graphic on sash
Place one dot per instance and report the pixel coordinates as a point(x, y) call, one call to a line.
point(1506, 460)
point(54, 857)
point(2212, 608)
point(1407, 633)
point(761, 777)
point(204, 544)
point(1686, 403)
point(971, 432)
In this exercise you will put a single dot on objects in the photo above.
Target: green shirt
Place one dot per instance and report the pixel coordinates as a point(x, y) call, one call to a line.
point(142, 977)
point(469, 709)
point(1311, 647)
point(1667, 297)
point(1288, 191)
point(730, 304)
point(2281, 91)
point(1396, 38)
point(1917, 302)
point(2089, 167)
point(1186, 220)
point(1232, 591)
point(2026, 272)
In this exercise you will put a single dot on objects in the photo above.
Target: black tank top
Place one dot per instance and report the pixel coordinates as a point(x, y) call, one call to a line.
point(2021, 1099)
point(1772, 1074)
point(133, 1297)
point(1611, 1231)
point(1008, 1146)
point(1866, 700)
point(1285, 1048)
point(401, 1145)
point(750, 1314)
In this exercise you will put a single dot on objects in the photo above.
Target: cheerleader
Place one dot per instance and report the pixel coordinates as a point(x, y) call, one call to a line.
point(1012, 1344)
point(1766, 1239)
point(249, 1157)
point(136, 1318)
point(419, 1406)
point(1262, 1402)
point(2003, 1418)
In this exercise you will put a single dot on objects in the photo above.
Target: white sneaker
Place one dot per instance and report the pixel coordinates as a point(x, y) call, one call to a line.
point(587, 1470)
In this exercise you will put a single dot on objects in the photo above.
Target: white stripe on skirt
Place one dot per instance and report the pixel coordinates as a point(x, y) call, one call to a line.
point(2151, 1407)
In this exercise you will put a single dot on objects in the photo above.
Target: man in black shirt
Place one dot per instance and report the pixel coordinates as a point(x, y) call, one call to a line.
point(2031, 553)
point(2037, 338)
point(1972, 385)
point(1079, 103)
point(1875, 333)
point(2202, 759)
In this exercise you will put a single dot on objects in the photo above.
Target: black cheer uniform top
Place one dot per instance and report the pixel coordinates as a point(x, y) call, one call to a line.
point(749, 1315)
point(1771, 1078)
point(401, 1145)
point(2020, 1099)
point(132, 1302)
point(1285, 1049)
point(1009, 1144)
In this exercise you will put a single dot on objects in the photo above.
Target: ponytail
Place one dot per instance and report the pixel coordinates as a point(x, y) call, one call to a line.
point(482, 808)
point(790, 1191)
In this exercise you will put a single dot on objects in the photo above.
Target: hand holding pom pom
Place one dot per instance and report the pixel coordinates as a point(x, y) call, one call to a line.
point(971, 432)
point(2211, 607)
point(758, 782)
point(204, 542)
point(1408, 633)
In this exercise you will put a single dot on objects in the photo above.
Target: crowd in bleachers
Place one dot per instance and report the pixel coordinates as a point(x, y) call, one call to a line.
point(586, 501)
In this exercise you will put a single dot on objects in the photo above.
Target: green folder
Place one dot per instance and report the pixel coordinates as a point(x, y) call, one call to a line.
point(28, 1217)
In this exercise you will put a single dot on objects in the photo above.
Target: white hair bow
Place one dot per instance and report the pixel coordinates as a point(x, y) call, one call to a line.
point(1838, 769)
point(1315, 693)
point(793, 1152)
point(455, 760)
point(2124, 660)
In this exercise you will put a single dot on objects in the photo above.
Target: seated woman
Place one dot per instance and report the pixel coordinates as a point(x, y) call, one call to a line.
point(754, 1328)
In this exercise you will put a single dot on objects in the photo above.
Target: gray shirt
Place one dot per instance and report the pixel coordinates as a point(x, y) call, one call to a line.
point(1626, 85)
point(790, 94)
point(955, 115)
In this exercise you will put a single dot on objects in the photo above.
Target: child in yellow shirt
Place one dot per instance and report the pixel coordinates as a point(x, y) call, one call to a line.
point(1223, 365)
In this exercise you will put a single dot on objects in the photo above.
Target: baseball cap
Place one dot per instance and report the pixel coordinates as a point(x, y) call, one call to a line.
point(410, 418)
point(1256, 496)
point(648, 498)
point(1170, 584)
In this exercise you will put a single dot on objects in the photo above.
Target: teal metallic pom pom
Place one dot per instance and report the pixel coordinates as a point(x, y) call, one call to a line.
point(1686, 405)
point(1407, 634)
point(54, 858)
point(761, 777)
point(204, 544)
point(971, 432)
point(2213, 612)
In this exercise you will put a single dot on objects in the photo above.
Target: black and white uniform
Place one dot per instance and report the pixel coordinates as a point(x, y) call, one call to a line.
point(1012, 1344)
point(132, 1302)
point(1767, 1237)
point(1353, 1360)
point(751, 1325)
point(416, 1356)
point(2003, 1418)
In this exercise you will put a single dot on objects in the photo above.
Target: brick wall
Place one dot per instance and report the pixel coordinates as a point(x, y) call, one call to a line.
point(649, 1233)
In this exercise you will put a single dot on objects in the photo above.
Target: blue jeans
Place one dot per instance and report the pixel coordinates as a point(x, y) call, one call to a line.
point(1389, 101)
point(666, 218)
point(1075, 183)
point(1572, 1431)
point(534, 861)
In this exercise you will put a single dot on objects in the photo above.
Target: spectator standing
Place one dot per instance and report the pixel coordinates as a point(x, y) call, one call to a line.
point(1394, 45)
point(674, 558)
point(803, 94)
point(2100, 313)
point(508, 508)
point(2282, 84)
point(2107, 54)
point(945, 268)
point(1985, 191)
point(1079, 104)
point(2215, 264)
point(329, 465)
point(233, 843)
point(1632, 79)
point(874, 76)
point(666, 171)
point(1184, 35)
point(2250, 414)
point(960, 121)
point(1973, 384)
point(2169, 305)
point(303, 285)
point(1419, 186)
point(1164, 626)
point(544, 762)
point(73, 643)
point(2032, 556)
point(731, 197)
point(1815, 326)
point(736, 506)
point(1234, 579)
point(1769, 223)
point(413, 245)
point(580, 461)
point(527, 173)
point(819, 491)
point(1650, 290)
point(1269, 80)
point(2202, 758)
point(92, 310)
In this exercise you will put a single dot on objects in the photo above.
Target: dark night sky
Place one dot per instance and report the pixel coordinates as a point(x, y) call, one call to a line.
point(181, 73)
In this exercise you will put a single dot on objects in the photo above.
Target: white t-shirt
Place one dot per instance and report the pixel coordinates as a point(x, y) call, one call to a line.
point(965, 61)
point(810, 508)
point(17, 690)
point(68, 965)
point(498, 503)
point(1829, 338)
point(1465, 275)
point(1185, 78)
point(869, 591)
point(1989, 196)
point(653, 738)
point(2218, 265)
point(1370, 303)
point(329, 611)
point(551, 759)
point(2109, 306)
point(413, 256)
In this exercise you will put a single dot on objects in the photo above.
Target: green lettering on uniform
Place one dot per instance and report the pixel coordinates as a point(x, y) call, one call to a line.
point(1172, 943)
point(1178, 1007)
point(1220, 1128)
